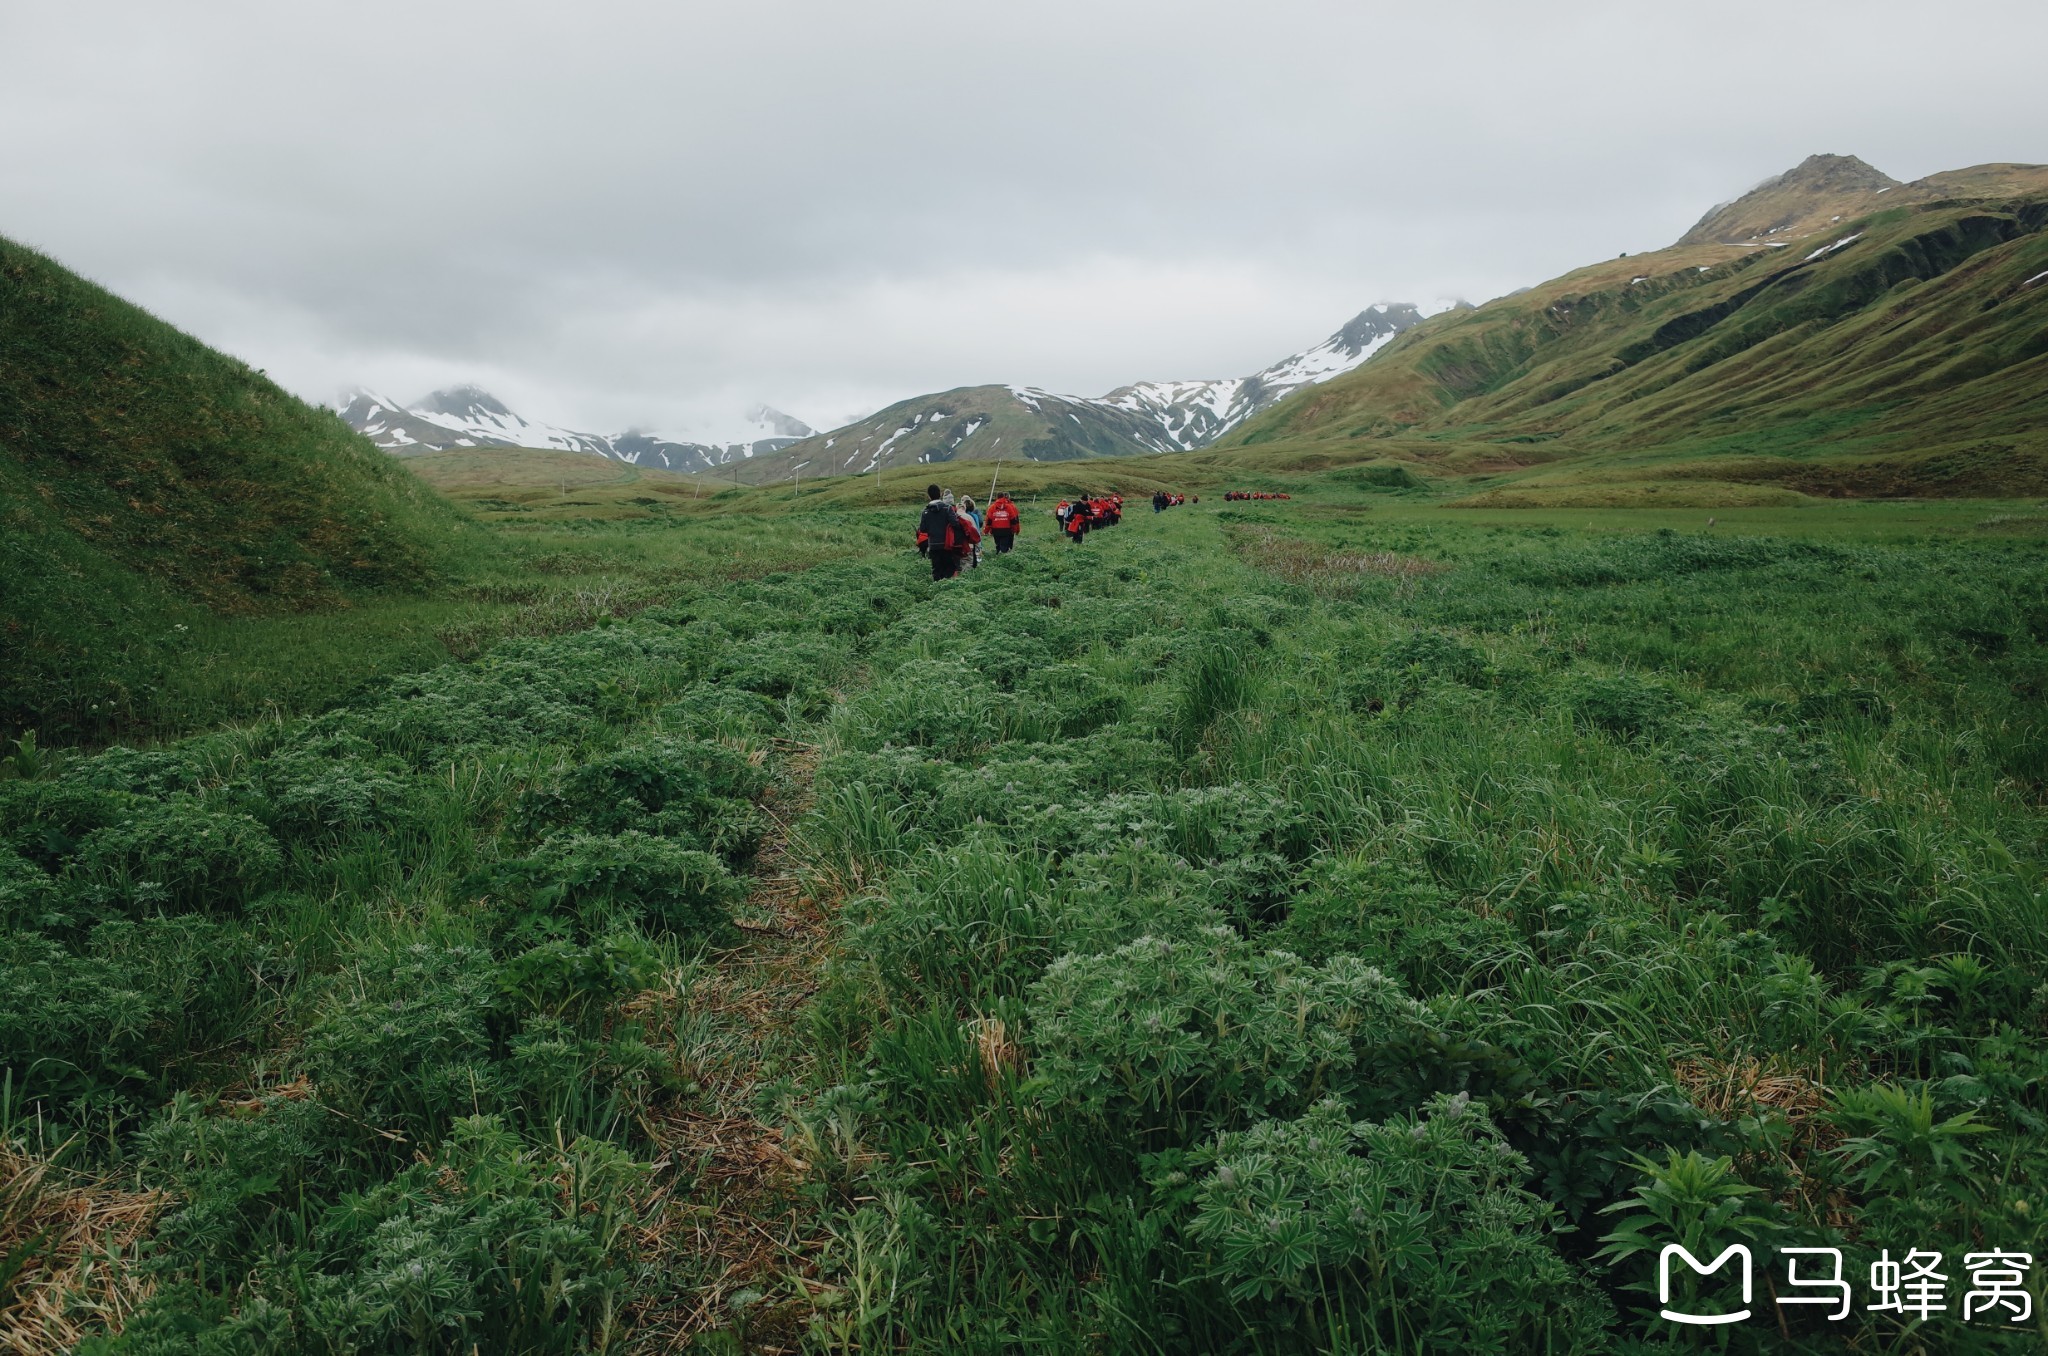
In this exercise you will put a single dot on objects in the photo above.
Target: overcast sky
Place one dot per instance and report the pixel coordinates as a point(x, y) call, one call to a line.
point(655, 214)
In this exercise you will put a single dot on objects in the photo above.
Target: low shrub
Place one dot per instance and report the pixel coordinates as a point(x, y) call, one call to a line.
point(716, 711)
point(1203, 1032)
point(1413, 1234)
point(1623, 704)
point(102, 1027)
point(575, 982)
point(403, 1041)
point(488, 1244)
point(44, 822)
point(1392, 915)
point(581, 885)
point(1081, 699)
point(331, 785)
point(31, 900)
point(696, 792)
point(942, 706)
point(180, 855)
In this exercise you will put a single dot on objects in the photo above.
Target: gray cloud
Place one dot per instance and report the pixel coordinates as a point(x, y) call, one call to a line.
point(620, 213)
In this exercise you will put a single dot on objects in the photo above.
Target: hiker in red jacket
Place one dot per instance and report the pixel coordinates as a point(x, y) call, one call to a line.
point(1003, 522)
point(1077, 520)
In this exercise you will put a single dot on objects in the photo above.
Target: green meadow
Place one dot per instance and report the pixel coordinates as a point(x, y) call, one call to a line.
point(1358, 923)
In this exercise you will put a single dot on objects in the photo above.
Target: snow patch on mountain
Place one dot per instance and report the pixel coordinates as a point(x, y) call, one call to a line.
point(1195, 413)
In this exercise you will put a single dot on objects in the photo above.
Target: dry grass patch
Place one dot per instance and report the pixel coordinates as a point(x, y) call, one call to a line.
point(65, 1247)
point(1322, 569)
point(1728, 1089)
point(723, 1216)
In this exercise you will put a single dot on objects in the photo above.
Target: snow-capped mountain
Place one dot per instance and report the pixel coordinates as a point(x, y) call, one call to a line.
point(467, 416)
point(983, 423)
point(1195, 413)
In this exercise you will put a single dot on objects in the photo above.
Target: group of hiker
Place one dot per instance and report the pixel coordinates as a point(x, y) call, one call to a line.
point(1254, 494)
point(949, 534)
point(1162, 501)
point(1078, 517)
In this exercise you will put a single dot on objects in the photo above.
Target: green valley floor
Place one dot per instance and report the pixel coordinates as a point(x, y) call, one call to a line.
point(1336, 925)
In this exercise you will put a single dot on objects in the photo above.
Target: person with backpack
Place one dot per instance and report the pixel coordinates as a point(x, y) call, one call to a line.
point(1077, 520)
point(944, 532)
point(1003, 522)
point(973, 516)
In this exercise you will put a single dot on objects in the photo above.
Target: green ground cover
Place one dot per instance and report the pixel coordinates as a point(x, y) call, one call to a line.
point(174, 668)
point(1350, 924)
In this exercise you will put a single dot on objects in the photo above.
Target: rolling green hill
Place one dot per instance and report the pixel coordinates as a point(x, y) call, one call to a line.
point(145, 477)
point(540, 484)
point(1897, 352)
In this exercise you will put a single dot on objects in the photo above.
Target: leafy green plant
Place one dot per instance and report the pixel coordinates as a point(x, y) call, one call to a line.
point(1899, 1145)
point(1695, 1202)
point(1412, 1234)
point(98, 1031)
point(332, 785)
point(404, 1042)
point(575, 982)
point(585, 885)
point(1203, 1032)
point(181, 855)
point(698, 792)
point(1623, 704)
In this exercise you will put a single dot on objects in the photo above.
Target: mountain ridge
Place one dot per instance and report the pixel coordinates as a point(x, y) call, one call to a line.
point(1913, 335)
point(466, 415)
point(994, 421)
point(1825, 189)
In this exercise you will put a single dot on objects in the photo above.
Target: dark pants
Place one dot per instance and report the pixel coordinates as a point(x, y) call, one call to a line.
point(1004, 537)
point(945, 564)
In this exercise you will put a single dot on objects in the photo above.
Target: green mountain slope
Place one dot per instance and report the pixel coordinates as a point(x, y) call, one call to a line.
point(143, 475)
point(1897, 352)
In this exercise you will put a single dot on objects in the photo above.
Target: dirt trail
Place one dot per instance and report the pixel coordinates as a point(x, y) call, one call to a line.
point(724, 1217)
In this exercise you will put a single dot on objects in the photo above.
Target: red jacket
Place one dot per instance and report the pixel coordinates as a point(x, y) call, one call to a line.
point(1002, 516)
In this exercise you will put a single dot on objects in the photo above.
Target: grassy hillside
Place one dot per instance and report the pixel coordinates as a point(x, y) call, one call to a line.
point(146, 479)
point(539, 485)
point(1901, 352)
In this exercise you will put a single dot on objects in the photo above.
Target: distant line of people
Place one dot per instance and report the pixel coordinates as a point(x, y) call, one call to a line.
point(950, 533)
point(1078, 517)
point(1255, 494)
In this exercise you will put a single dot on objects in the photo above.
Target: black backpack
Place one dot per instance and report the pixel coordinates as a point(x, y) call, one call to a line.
point(941, 527)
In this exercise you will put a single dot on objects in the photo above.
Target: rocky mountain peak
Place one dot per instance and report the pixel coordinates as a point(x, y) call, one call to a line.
point(1831, 174)
point(1813, 194)
point(1373, 323)
point(460, 401)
